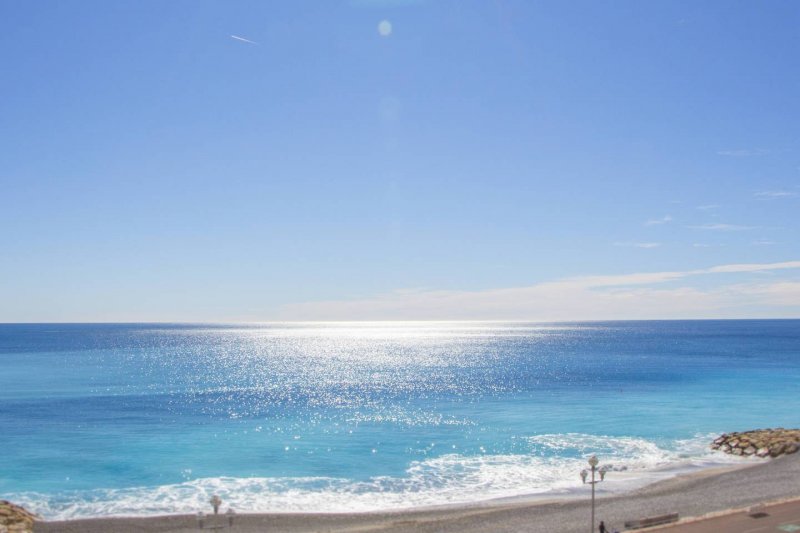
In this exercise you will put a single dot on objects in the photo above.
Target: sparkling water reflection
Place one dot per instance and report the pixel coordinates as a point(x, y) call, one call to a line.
point(136, 419)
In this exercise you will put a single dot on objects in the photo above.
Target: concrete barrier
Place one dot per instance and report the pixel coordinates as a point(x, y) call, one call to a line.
point(757, 511)
point(652, 521)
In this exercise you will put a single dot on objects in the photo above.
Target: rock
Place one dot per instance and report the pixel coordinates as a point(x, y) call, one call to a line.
point(759, 442)
point(777, 450)
point(15, 519)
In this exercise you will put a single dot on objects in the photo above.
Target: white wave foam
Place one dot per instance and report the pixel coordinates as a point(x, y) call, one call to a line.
point(551, 469)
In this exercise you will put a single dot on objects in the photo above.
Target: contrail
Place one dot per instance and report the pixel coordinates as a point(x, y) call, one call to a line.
point(243, 39)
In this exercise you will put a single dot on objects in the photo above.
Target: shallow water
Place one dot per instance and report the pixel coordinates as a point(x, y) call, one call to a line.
point(145, 419)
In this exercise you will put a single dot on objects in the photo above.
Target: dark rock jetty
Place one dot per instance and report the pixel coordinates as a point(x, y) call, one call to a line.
point(760, 442)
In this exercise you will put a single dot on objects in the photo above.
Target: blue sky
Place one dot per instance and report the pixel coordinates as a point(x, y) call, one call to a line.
point(198, 161)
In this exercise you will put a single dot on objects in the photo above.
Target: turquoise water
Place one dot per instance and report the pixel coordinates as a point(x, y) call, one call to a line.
point(154, 418)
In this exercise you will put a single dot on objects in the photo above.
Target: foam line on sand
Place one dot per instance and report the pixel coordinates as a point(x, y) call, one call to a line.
point(690, 495)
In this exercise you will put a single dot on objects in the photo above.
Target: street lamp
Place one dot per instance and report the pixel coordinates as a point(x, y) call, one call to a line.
point(585, 473)
point(215, 503)
point(215, 519)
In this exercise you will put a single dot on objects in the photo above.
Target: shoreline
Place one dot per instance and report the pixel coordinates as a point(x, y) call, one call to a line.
point(695, 494)
point(256, 496)
point(620, 482)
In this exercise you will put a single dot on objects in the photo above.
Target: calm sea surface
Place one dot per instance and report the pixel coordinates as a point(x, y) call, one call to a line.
point(154, 418)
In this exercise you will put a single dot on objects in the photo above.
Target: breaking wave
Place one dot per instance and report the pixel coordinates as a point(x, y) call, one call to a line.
point(549, 469)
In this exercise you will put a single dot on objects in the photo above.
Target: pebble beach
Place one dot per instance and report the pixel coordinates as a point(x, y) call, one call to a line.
point(694, 495)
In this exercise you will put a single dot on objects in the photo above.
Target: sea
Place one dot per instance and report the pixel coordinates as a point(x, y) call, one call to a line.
point(149, 419)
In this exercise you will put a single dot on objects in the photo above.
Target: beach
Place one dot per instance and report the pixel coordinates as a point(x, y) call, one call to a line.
point(692, 495)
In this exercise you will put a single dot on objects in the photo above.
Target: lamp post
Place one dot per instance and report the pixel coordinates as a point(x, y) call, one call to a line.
point(215, 503)
point(215, 519)
point(585, 473)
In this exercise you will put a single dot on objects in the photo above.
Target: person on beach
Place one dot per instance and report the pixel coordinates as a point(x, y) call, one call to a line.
point(602, 527)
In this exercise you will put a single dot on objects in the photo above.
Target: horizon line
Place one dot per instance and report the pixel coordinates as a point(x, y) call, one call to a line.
point(385, 321)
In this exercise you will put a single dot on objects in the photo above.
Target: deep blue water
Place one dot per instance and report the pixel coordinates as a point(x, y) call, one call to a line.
point(153, 418)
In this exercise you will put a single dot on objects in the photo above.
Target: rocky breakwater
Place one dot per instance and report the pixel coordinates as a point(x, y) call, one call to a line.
point(15, 519)
point(759, 442)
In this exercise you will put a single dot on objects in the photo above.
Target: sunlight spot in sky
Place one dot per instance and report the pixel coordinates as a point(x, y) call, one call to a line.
point(385, 28)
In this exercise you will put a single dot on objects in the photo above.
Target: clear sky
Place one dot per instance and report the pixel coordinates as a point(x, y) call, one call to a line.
point(398, 159)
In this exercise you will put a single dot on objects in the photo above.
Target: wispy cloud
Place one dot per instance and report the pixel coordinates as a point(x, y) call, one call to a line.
point(746, 267)
point(723, 227)
point(708, 207)
point(657, 277)
point(763, 242)
point(242, 39)
point(638, 244)
point(626, 296)
point(785, 294)
point(706, 245)
point(656, 221)
point(744, 152)
point(776, 194)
